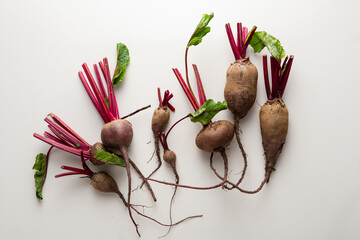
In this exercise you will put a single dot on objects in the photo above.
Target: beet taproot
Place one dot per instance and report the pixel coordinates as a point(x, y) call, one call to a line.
point(274, 121)
point(215, 136)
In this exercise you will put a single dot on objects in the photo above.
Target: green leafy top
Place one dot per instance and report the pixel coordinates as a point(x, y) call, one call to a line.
point(109, 158)
point(40, 174)
point(201, 30)
point(123, 59)
point(262, 39)
point(207, 111)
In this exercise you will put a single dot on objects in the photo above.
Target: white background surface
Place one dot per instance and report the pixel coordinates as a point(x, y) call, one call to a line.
point(315, 192)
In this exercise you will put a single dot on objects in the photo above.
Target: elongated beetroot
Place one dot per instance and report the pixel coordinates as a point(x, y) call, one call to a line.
point(274, 121)
point(274, 115)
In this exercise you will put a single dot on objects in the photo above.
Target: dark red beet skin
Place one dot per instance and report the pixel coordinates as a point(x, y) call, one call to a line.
point(117, 134)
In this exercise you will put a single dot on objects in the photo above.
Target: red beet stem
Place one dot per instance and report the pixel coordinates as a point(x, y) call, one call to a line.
point(74, 171)
point(249, 37)
point(201, 92)
point(111, 98)
point(190, 96)
point(166, 94)
point(68, 174)
point(165, 102)
point(275, 68)
point(171, 107)
point(68, 136)
point(92, 97)
point(60, 137)
point(159, 96)
point(99, 81)
point(170, 97)
point(49, 135)
point(163, 142)
point(285, 75)
point(266, 77)
point(67, 128)
point(100, 100)
point(64, 147)
point(232, 41)
point(113, 103)
point(175, 125)
point(240, 38)
point(187, 71)
point(244, 33)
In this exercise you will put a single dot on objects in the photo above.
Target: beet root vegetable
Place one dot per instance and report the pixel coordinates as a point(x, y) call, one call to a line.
point(215, 136)
point(241, 82)
point(274, 115)
point(170, 158)
point(274, 121)
point(241, 86)
point(117, 135)
point(160, 120)
point(103, 182)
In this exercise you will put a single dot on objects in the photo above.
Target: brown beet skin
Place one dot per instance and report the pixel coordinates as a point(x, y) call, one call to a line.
point(216, 136)
point(170, 157)
point(103, 182)
point(274, 119)
point(117, 134)
point(160, 120)
point(241, 86)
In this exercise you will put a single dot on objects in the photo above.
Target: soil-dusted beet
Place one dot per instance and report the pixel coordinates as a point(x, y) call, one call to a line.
point(160, 120)
point(274, 115)
point(241, 86)
point(241, 82)
point(103, 182)
point(170, 158)
point(274, 121)
point(215, 136)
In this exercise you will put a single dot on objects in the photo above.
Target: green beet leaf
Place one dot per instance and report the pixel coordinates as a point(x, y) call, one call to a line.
point(207, 111)
point(107, 102)
point(201, 30)
point(109, 158)
point(40, 174)
point(263, 39)
point(123, 59)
